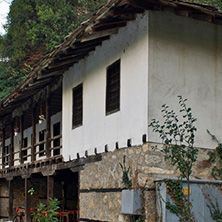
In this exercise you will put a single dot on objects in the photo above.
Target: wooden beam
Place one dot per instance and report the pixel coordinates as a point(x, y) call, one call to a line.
point(128, 11)
point(95, 42)
point(145, 4)
point(27, 200)
point(3, 148)
point(11, 145)
point(50, 188)
point(33, 134)
point(48, 128)
point(99, 34)
point(71, 51)
point(45, 74)
point(103, 29)
point(21, 138)
point(67, 61)
point(10, 206)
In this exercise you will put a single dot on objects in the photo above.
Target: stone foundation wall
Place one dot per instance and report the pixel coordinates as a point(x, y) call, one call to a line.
point(101, 182)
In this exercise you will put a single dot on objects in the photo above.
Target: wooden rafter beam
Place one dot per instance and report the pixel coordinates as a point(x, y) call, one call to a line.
point(46, 74)
point(67, 61)
point(127, 11)
point(94, 42)
point(107, 27)
point(94, 34)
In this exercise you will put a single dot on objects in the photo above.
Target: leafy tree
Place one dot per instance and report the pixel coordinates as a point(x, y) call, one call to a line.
point(178, 135)
point(33, 28)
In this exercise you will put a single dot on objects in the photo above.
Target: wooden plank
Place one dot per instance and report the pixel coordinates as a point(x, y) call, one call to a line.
point(46, 74)
point(3, 147)
point(10, 206)
point(21, 138)
point(11, 162)
point(67, 61)
point(128, 11)
point(71, 51)
point(50, 188)
point(95, 35)
point(27, 200)
point(108, 28)
point(48, 128)
point(95, 42)
point(33, 134)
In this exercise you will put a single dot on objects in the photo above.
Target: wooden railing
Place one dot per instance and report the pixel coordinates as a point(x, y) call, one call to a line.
point(19, 158)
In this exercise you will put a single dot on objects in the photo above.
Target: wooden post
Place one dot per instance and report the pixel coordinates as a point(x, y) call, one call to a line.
point(21, 139)
point(3, 148)
point(48, 129)
point(10, 207)
point(50, 187)
point(12, 145)
point(27, 200)
point(33, 134)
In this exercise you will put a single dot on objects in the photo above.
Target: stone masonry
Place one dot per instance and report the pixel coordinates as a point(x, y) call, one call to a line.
point(101, 182)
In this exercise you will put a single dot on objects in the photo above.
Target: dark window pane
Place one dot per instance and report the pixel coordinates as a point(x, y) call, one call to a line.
point(56, 142)
point(24, 152)
point(77, 106)
point(113, 88)
point(42, 138)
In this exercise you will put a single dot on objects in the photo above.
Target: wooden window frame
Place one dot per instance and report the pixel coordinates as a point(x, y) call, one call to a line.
point(113, 88)
point(77, 101)
point(7, 158)
point(42, 146)
point(25, 152)
point(55, 141)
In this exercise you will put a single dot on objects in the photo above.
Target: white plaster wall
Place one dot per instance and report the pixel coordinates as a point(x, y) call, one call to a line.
point(185, 58)
point(131, 46)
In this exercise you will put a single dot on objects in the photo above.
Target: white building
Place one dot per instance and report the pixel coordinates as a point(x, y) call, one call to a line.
point(102, 87)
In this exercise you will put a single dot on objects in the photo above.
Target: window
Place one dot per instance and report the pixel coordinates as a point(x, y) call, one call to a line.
point(25, 145)
point(56, 142)
point(113, 88)
point(42, 146)
point(77, 106)
point(7, 155)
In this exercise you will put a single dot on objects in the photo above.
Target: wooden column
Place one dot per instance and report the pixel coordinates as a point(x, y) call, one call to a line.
point(21, 139)
point(11, 145)
point(33, 134)
point(10, 206)
point(48, 129)
point(27, 200)
point(50, 187)
point(3, 148)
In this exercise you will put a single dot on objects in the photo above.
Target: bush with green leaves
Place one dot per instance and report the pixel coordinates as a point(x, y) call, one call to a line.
point(48, 213)
point(126, 181)
point(178, 136)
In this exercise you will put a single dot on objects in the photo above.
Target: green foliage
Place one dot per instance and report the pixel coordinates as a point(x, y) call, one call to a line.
point(47, 214)
point(179, 204)
point(178, 137)
point(216, 3)
point(91, 5)
point(33, 28)
point(215, 211)
point(31, 191)
point(8, 79)
point(216, 157)
point(126, 174)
